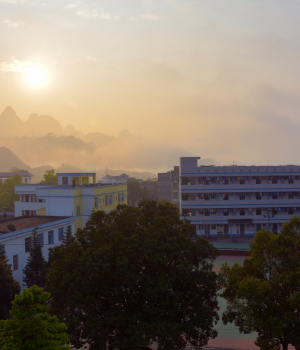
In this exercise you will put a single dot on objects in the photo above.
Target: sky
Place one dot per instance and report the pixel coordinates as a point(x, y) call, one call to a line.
point(212, 78)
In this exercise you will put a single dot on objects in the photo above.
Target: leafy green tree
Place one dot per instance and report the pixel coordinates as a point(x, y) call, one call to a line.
point(263, 294)
point(7, 192)
point(135, 276)
point(136, 193)
point(50, 177)
point(36, 268)
point(3, 256)
point(67, 235)
point(8, 288)
point(31, 326)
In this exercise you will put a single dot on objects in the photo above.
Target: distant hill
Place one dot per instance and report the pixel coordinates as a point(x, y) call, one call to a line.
point(8, 160)
point(41, 125)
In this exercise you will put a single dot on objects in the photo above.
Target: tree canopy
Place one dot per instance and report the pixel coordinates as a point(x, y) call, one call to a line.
point(50, 177)
point(135, 276)
point(32, 326)
point(7, 192)
point(36, 268)
point(263, 294)
point(8, 287)
point(136, 193)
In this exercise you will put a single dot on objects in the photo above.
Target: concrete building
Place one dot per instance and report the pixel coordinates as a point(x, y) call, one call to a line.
point(76, 195)
point(112, 180)
point(25, 175)
point(17, 244)
point(168, 186)
point(238, 200)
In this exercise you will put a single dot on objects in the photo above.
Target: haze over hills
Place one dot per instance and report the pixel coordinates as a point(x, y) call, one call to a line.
point(42, 140)
point(8, 160)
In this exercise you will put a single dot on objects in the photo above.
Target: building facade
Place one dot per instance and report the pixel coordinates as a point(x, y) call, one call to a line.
point(237, 200)
point(168, 186)
point(17, 244)
point(76, 195)
point(25, 175)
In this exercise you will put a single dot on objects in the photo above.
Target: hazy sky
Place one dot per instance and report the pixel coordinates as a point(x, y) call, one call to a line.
point(219, 78)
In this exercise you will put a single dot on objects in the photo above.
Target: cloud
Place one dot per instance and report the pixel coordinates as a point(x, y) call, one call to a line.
point(12, 24)
point(82, 12)
point(105, 15)
point(150, 17)
point(15, 66)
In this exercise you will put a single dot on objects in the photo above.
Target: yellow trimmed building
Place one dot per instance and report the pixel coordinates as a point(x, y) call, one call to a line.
point(76, 195)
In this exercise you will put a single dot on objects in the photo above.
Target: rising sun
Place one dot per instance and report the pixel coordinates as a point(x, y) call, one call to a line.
point(36, 77)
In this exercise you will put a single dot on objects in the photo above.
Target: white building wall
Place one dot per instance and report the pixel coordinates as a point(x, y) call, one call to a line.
point(59, 201)
point(14, 243)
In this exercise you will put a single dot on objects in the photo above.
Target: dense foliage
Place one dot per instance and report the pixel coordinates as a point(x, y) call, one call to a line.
point(31, 326)
point(263, 294)
point(8, 286)
point(7, 193)
point(36, 268)
point(133, 277)
point(136, 193)
point(50, 177)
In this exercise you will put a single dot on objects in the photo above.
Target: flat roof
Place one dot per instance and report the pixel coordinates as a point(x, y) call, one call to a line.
point(24, 222)
point(76, 174)
point(21, 173)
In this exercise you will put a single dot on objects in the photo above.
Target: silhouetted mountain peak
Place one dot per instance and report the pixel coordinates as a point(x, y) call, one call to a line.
point(125, 134)
point(9, 111)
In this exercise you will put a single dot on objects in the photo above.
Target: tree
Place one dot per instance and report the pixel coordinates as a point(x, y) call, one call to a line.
point(263, 294)
point(36, 268)
point(3, 256)
point(50, 177)
point(136, 193)
point(31, 326)
point(8, 288)
point(7, 192)
point(17, 170)
point(135, 276)
point(67, 235)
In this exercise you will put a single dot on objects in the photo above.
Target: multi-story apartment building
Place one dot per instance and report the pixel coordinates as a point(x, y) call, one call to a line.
point(238, 200)
point(74, 196)
point(25, 175)
point(168, 186)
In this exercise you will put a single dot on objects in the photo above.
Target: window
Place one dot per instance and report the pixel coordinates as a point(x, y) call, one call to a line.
point(26, 198)
point(123, 197)
point(25, 179)
point(96, 202)
point(51, 237)
point(40, 201)
point(41, 239)
point(15, 262)
point(78, 210)
point(110, 199)
point(27, 244)
point(175, 195)
point(175, 186)
point(213, 227)
point(65, 180)
point(60, 233)
point(106, 200)
point(119, 197)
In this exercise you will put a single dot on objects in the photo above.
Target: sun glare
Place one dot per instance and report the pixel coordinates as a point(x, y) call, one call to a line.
point(36, 77)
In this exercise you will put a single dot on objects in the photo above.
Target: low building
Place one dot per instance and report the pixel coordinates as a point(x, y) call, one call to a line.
point(17, 244)
point(112, 180)
point(25, 175)
point(76, 195)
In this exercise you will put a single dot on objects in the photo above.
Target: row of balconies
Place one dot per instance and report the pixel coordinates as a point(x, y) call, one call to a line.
point(244, 199)
point(237, 215)
point(260, 183)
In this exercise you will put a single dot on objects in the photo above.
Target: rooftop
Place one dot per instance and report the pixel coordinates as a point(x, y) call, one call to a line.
point(24, 222)
point(11, 174)
point(76, 174)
